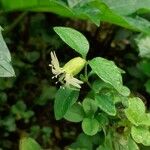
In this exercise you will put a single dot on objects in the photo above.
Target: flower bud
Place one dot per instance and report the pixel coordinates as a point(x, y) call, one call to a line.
point(74, 66)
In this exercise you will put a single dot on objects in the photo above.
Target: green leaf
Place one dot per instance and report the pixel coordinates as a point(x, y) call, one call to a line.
point(106, 103)
point(102, 119)
point(147, 86)
point(21, 112)
point(126, 7)
point(108, 143)
point(111, 16)
point(64, 99)
point(98, 85)
point(89, 106)
point(73, 3)
point(83, 142)
point(109, 73)
point(143, 66)
point(87, 12)
point(136, 112)
point(6, 69)
point(141, 134)
point(54, 6)
point(90, 126)
point(74, 39)
point(75, 113)
point(131, 145)
point(27, 143)
point(143, 43)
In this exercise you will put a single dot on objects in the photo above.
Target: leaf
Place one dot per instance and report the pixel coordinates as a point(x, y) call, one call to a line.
point(141, 134)
point(6, 69)
point(126, 7)
point(108, 15)
point(58, 7)
point(90, 126)
point(75, 113)
point(89, 106)
point(88, 12)
point(106, 103)
point(27, 143)
point(143, 43)
point(83, 142)
point(103, 120)
point(98, 85)
point(64, 99)
point(143, 67)
point(131, 145)
point(147, 86)
point(73, 3)
point(109, 73)
point(74, 39)
point(136, 112)
point(108, 143)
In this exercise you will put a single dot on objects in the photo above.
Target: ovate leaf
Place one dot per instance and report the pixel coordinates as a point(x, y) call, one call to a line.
point(90, 126)
point(106, 103)
point(74, 39)
point(64, 99)
point(141, 134)
point(6, 69)
point(27, 143)
point(109, 73)
point(136, 112)
point(75, 113)
point(89, 106)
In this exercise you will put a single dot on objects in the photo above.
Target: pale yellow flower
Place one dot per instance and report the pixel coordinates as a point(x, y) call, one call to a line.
point(66, 73)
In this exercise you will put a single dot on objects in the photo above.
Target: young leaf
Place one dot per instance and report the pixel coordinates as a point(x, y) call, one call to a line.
point(75, 113)
point(27, 143)
point(64, 99)
point(109, 73)
point(106, 103)
point(90, 126)
point(89, 106)
point(136, 112)
point(141, 134)
point(6, 69)
point(74, 39)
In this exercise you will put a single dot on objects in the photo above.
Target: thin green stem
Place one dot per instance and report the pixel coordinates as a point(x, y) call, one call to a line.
point(15, 22)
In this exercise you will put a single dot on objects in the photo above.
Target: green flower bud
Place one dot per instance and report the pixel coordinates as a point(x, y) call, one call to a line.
point(74, 66)
point(70, 69)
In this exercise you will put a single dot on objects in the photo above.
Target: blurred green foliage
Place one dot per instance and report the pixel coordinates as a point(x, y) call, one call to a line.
point(26, 101)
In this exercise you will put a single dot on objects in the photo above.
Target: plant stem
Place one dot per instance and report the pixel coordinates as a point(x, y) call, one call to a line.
point(15, 23)
point(86, 76)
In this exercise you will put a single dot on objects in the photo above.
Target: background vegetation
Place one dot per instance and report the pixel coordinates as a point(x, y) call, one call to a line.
point(118, 31)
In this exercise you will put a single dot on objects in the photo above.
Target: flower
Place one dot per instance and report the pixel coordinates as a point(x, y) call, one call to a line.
point(66, 73)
